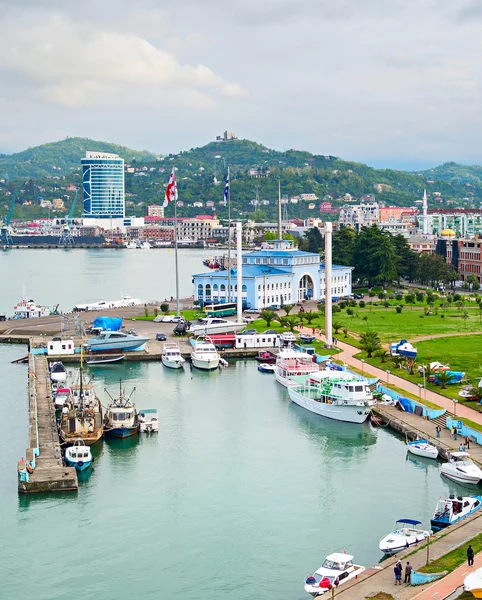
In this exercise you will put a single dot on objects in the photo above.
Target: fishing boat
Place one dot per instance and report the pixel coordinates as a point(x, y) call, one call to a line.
point(405, 534)
point(337, 569)
point(121, 417)
point(291, 363)
point(266, 368)
point(81, 416)
point(461, 468)
point(171, 356)
point(337, 395)
point(116, 340)
point(58, 372)
point(447, 512)
point(423, 448)
point(204, 356)
point(78, 455)
point(148, 421)
point(105, 360)
point(264, 356)
point(473, 583)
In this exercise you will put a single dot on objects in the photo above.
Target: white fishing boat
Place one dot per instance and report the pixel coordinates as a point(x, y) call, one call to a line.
point(292, 363)
point(78, 455)
point(58, 372)
point(337, 395)
point(337, 569)
point(204, 356)
point(148, 421)
point(461, 468)
point(212, 325)
point(447, 512)
point(405, 534)
point(171, 356)
point(27, 309)
point(423, 448)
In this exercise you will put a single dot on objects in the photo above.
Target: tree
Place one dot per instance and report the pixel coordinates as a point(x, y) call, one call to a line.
point(443, 378)
point(290, 321)
point(287, 308)
point(165, 308)
point(465, 316)
point(383, 355)
point(370, 342)
point(407, 259)
point(268, 316)
point(343, 246)
point(310, 315)
point(312, 241)
point(374, 256)
point(337, 327)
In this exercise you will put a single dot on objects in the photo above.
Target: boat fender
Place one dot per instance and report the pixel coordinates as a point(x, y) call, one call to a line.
point(29, 468)
point(310, 580)
point(325, 583)
point(81, 463)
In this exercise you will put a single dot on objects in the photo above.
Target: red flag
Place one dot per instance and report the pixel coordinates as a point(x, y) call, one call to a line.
point(171, 190)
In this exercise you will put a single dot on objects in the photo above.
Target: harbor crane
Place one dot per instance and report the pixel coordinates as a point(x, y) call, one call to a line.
point(6, 230)
point(66, 237)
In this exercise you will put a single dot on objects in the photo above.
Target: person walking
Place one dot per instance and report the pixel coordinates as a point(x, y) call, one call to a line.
point(470, 556)
point(467, 442)
point(397, 569)
point(454, 432)
point(408, 570)
point(437, 431)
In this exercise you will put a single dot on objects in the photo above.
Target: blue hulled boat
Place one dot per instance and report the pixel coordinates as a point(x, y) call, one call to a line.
point(121, 416)
point(78, 456)
point(455, 508)
point(116, 340)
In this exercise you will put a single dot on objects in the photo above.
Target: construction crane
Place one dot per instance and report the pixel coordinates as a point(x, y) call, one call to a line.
point(66, 237)
point(6, 231)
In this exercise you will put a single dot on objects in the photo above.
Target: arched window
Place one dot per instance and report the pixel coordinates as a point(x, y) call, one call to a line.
point(200, 290)
point(208, 290)
point(215, 291)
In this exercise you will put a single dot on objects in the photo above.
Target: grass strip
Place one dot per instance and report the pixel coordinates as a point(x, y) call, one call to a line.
point(453, 559)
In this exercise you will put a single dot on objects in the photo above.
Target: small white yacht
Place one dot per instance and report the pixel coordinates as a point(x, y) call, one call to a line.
point(423, 448)
point(116, 340)
point(291, 363)
point(204, 356)
point(211, 325)
point(148, 421)
point(337, 569)
point(461, 468)
point(58, 372)
point(404, 534)
point(61, 396)
point(171, 356)
point(454, 509)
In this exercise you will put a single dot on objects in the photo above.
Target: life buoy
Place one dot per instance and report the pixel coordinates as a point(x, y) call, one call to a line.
point(29, 468)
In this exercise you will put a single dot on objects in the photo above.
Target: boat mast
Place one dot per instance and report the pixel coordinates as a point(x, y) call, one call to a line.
point(81, 390)
point(229, 238)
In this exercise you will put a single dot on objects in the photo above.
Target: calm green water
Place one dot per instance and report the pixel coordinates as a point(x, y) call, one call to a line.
point(239, 496)
point(69, 277)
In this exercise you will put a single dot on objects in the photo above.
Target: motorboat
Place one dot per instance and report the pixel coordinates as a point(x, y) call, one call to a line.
point(405, 534)
point(61, 396)
point(78, 455)
point(121, 417)
point(435, 367)
point(124, 301)
point(403, 348)
point(423, 448)
point(266, 368)
point(27, 309)
point(148, 421)
point(287, 338)
point(115, 340)
point(291, 363)
point(338, 395)
point(105, 360)
point(461, 468)
point(452, 377)
point(467, 393)
point(447, 512)
point(58, 372)
point(306, 339)
point(337, 569)
point(265, 356)
point(473, 583)
point(204, 356)
point(143, 246)
point(131, 245)
point(171, 356)
point(211, 325)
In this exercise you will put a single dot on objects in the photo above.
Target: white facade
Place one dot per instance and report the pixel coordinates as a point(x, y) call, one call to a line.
point(58, 347)
point(360, 215)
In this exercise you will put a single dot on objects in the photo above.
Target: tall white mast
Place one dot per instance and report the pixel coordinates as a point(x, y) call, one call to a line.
point(280, 232)
point(328, 296)
point(175, 254)
point(229, 238)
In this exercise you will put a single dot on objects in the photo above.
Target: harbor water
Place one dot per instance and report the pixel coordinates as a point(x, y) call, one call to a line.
point(239, 496)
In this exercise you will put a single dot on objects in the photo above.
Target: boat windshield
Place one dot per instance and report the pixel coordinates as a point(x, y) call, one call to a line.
point(464, 462)
point(330, 564)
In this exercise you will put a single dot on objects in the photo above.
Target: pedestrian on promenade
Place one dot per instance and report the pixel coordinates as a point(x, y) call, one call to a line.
point(313, 331)
point(467, 442)
point(437, 431)
point(408, 570)
point(397, 569)
point(454, 432)
point(470, 556)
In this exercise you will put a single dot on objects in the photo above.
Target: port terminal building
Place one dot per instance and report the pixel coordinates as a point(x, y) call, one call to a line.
point(274, 276)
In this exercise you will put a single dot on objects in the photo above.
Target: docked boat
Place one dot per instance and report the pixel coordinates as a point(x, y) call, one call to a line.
point(212, 325)
point(337, 569)
point(337, 395)
point(291, 363)
point(171, 356)
point(405, 534)
point(204, 356)
point(124, 301)
point(473, 583)
point(266, 368)
point(27, 309)
point(306, 339)
point(447, 512)
point(461, 468)
point(115, 340)
point(61, 396)
point(264, 356)
point(81, 416)
point(423, 448)
point(287, 338)
point(78, 455)
point(148, 421)
point(105, 360)
point(121, 417)
point(58, 372)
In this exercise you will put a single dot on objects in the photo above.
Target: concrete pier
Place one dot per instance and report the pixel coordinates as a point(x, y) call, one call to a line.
point(42, 470)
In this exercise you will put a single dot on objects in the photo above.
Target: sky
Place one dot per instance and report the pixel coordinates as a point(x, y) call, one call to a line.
point(391, 83)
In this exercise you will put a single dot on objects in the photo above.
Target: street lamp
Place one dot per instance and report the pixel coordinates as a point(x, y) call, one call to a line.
point(362, 365)
point(455, 401)
point(420, 391)
point(388, 376)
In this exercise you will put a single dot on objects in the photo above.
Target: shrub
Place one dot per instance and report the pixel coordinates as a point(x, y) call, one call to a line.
point(349, 311)
point(336, 309)
point(156, 311)
point(419, 296)
point(362, 304)
point(342, 304)
point(146, 311)
point(457, 298)
point(353, 302)
point(398, 297)
point(398, 309)
point(196, 303)
point(386, 304)
point(165, 307)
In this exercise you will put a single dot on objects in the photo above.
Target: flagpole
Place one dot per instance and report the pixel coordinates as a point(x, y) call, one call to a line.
point(175, 256)
point(229, 238)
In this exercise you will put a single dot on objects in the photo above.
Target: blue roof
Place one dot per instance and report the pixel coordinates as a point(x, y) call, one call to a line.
point(248, 271)
point(409, 521)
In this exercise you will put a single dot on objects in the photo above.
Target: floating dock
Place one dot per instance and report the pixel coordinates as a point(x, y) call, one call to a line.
point(42, 469)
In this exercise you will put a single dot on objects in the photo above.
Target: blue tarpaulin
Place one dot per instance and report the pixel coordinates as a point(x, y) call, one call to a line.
point(107, 323)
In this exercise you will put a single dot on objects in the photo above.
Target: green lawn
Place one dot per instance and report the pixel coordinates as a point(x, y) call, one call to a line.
point(189, 315)
point(453, 559)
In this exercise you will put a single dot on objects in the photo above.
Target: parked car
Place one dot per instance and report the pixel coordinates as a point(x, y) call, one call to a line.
point(358, 296)
point(161, 337)
point(273, 307)
point(247, 332)
point(270, 331)
point(169, 319)
point(251, 311)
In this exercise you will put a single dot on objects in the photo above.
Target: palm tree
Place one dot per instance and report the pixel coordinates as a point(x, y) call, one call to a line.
point(310, 315)
point(443, 378)
point(398, 361)
point(287, 308)
point(337, 326)
point(383, 355)
point(290, 321)
point(345, 332)
point(370, 342)
point(268, 316)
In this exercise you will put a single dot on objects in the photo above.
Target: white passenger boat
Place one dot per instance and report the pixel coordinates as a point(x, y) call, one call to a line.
point(461, 468)
point(27, 309)
point(454, 509)
point(171, 356)
point(405, 534)
point(204, 356)
point(79, 456)
point(337, 395)
point(423, 448)
point(212, 325)
point(291, 363)
point(125, 301)
point(58, 372)
point(337, 569)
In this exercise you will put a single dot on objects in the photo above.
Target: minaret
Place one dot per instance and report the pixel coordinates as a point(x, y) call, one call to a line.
point(280, 231)
point(328, 295)
point(239, 247)
point(425, 215)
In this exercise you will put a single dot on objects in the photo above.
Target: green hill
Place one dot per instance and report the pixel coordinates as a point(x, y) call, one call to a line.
point(455, 173)
point(59, 158)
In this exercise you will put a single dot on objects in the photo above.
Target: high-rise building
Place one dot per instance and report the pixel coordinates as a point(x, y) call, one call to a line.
point(103, 181)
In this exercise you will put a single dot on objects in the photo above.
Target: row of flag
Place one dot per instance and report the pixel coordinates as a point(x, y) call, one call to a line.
point(171, 190)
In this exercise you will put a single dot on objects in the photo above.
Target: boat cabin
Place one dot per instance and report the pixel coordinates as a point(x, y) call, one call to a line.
point(257, 340)
point(460, 459)
point(121, 416)
point(342, 387)
point(57, 346)
point(337, 566)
